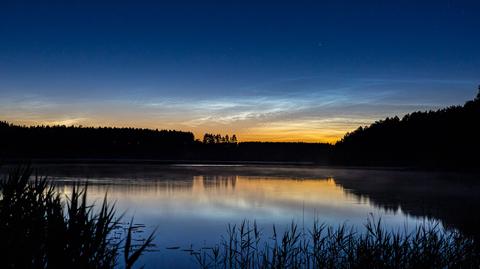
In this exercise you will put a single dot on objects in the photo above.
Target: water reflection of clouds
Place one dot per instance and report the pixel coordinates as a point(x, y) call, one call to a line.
point(194, 204)
point(226, 197)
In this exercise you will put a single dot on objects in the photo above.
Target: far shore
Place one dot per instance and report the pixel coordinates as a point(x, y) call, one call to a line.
point(139, 161)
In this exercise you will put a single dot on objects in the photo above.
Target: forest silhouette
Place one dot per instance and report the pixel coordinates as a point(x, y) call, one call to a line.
point(448, 137)
point(445, 138)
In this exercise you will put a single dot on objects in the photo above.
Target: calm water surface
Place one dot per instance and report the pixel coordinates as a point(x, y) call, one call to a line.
point(191, 205)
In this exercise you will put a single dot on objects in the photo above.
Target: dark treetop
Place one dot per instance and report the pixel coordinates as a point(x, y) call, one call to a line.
point(446, 138)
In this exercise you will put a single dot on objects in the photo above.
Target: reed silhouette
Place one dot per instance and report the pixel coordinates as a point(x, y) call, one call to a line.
point(39, 229)
point(428, 246)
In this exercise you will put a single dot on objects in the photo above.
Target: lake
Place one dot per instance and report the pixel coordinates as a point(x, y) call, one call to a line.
point(191, 205)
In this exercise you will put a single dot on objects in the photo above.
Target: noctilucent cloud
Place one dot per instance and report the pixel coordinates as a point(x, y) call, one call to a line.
point(265, 70)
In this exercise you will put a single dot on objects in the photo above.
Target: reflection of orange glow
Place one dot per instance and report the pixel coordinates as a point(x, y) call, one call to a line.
point(291, 190)
point(238, 191)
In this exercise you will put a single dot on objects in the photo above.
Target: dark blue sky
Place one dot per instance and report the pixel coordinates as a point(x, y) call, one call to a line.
point(275, 70)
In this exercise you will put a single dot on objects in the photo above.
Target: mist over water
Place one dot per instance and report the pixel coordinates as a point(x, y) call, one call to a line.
point(192, 205)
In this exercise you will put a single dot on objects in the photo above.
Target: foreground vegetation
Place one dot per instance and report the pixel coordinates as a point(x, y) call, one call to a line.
point(428, 246)
point(39, 229)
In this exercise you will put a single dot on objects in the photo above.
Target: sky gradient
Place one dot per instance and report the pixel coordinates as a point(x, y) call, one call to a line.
point(268, 71)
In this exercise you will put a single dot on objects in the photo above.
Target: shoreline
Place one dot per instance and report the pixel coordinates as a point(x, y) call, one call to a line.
point(140, 161)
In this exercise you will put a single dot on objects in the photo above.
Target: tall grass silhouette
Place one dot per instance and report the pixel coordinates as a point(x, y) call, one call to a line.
point(39, 229)
point(428, 246)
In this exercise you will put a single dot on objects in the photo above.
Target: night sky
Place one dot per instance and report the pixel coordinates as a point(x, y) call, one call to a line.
point(269, 71)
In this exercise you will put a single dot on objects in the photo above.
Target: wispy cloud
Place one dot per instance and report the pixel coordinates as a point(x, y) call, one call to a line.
point(298, 109)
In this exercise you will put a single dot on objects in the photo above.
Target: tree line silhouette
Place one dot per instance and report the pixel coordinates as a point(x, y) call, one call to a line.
point(40, 142)
point(218, 138)
point(76, 141)
point(448, 137)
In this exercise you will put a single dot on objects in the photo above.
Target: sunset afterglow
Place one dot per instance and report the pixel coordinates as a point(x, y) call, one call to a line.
point(234, 68)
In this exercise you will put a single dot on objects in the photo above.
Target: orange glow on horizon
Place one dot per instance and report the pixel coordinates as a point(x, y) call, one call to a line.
point(283, 133)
